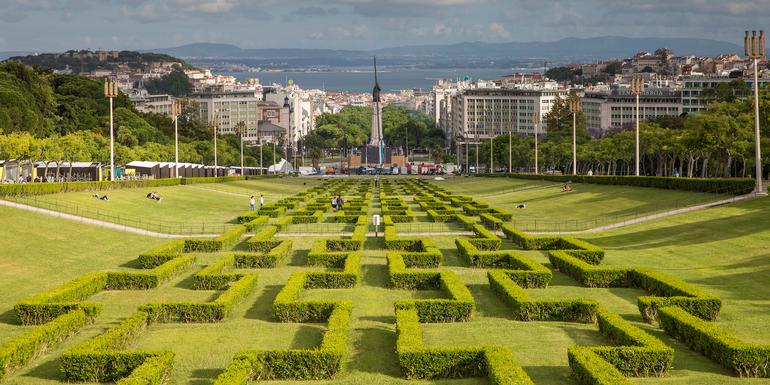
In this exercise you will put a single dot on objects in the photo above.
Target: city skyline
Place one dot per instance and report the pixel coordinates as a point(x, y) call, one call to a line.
point(357, 24)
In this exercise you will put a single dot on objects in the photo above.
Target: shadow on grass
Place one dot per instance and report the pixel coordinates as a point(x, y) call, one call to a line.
point(373, 350)
point(9, 317)
point(132, 264)
point(298, 258)
point(47, 370)
point(204, 376)
point(488, 304)
point(552, 375)
point(308, 336)
point(186, 283)
point(375, 275)
point(373, 243)
point(262, 309)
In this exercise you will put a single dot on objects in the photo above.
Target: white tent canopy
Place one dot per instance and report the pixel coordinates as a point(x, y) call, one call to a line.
point(282, 167)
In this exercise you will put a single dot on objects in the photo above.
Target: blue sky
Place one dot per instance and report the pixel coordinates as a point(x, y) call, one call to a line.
point(56, 25)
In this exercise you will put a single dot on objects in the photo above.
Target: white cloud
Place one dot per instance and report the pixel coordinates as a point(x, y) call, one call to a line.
point(497, 31)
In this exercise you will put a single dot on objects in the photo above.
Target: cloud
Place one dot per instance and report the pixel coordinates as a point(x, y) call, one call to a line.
point(497, 31)
point(403, 8)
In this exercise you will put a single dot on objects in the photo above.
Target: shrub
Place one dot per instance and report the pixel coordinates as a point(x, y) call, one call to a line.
point(491, 220)
point(590, 369)
point(734, 186)
point(264, 260)
point(154, 371)
point(459, 307)
point(523, 270)
point(214, 311)
point(248, 217)
point(19, 351)
point(744, 359)
point(238, 372)
point(420, 362)
point(264, 240)
point(212, 278)
point(99, 359)
point(588, 274)
point(442, 215)
point(322, 363)
point(256, 223)
point(48, 305)
point(525, 309)
point(670, 291)
point(576, 247)
point(20, 189)
point(161, 254)
point(208, 245)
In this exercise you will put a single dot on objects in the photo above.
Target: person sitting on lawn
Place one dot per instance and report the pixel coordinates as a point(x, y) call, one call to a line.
point(334, 203)
point(567, 187)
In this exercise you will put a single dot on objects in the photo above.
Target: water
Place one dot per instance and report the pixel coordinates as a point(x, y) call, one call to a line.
point(362, 81)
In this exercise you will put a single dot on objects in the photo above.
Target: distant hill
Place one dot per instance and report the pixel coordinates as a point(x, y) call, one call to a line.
point(454, 55)
point(570, 48)
point(87, 61)
point(7, 54)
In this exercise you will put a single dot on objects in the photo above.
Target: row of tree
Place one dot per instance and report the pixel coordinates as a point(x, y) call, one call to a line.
point(351, 128)
point(718, 142)
point(63, 118)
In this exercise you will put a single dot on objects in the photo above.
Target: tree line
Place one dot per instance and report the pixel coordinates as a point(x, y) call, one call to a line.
point(717, 142)
point(65, 118)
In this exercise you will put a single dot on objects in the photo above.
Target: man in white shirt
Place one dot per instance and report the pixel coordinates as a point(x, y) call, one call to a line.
point(261, 201)
point(251, 203)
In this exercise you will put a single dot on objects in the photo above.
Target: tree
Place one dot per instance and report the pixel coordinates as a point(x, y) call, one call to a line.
point(175, 83)
point(561, 74)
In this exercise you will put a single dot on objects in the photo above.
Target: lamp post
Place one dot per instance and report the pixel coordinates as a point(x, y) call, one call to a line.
point(111, 91)
point(574, 105)
point(637, 88)
point(241, 132)
point(491, 154)
point(536, 121)
point(215, 125)
point(754, 47)
point(176, 110)
point(510, 151)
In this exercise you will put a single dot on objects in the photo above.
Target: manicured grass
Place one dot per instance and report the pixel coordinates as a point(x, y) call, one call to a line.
point(723, 250)
point(183, 209)
point(587, 206)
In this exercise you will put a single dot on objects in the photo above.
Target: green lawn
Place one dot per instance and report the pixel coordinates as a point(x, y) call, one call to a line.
point(724, 250)
point(200, 208)
point(587, 206)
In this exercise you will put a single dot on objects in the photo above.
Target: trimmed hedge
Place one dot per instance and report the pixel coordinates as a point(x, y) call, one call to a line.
point(742, 358)
point(347, 278)
point(459, 306)
point(525, 309)
point(20, 189)
point(420, 362)
point(19, 351)
point(734, 186)
point(208, 245)
point(214, 311)
point(48, 305)
point(523, 270)
point(264, 240)
point(238, 372)
point(295, 364)
point(670, 291)
point(161, 254)
point(584, 250)
point(154, 371)
point(101, 359)
point(256, 223)
point(119, 280)
point(587, 274)
point(264, 260)
point(213, 278)
point(286, 308)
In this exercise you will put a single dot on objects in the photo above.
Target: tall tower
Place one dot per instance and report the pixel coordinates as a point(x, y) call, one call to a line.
point(377, 139)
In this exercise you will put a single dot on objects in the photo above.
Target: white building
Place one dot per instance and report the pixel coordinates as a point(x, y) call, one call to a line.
point(226, 109)
point(157, 104)
point(484, 112)
point(616, 108)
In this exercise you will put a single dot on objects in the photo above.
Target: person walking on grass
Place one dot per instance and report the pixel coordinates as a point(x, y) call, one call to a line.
point(251, 203)
point(261, 201)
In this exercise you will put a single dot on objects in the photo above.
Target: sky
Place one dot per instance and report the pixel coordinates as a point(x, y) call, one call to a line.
point(58, 25)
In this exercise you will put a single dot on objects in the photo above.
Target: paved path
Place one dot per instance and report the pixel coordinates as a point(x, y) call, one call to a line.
point(96, 222)
point(653, 217)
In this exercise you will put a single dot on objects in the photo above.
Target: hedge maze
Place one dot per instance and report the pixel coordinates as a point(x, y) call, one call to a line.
point(340, 265)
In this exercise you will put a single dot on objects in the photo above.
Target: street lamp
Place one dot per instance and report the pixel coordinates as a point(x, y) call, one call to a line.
point(176, 110)
point(241, 133)
point(215, 125)
point(754, 47)
point(491, 153)
point(574, 106)
point(111, 91)
point(536, 121)
point(637, 88)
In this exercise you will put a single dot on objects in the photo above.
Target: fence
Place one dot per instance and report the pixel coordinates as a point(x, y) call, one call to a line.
point(165, 227)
